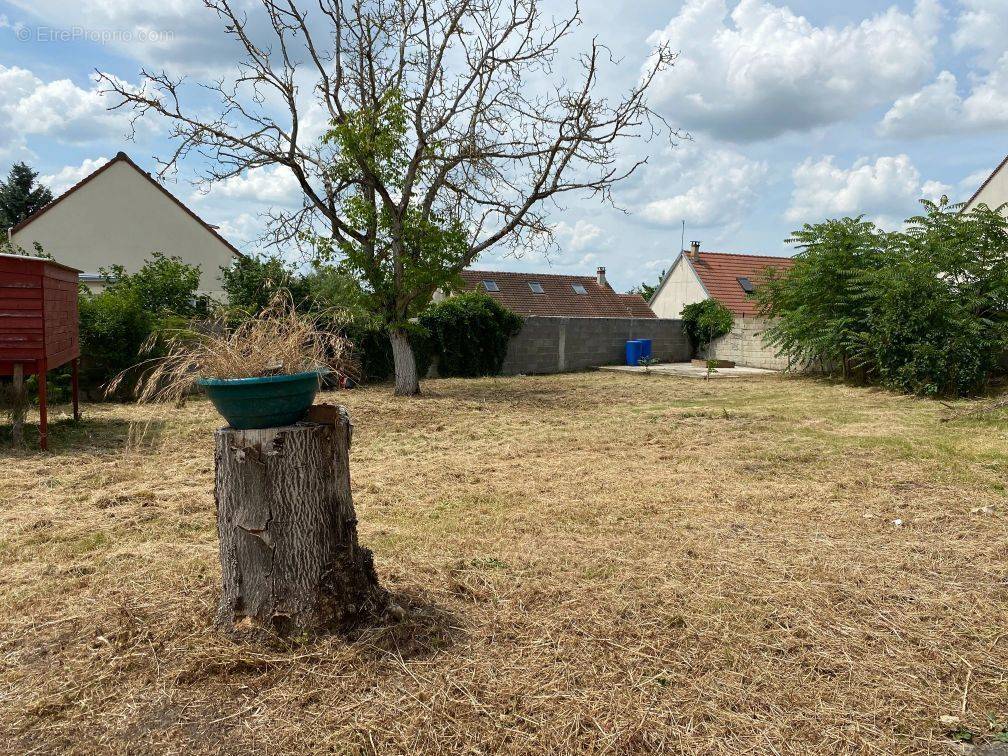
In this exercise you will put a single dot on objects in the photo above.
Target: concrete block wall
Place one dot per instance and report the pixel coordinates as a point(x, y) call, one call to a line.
point(744, 346)
point(563, 345)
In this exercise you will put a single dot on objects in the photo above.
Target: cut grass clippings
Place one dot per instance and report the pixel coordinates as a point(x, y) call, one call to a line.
point(593, 563)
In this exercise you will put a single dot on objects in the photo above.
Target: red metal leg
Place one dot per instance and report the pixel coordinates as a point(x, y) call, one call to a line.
point(43, 415)
point(75, 383)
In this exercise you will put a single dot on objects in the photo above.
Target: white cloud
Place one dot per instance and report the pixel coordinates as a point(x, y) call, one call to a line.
point(58, 109)
point(271, 185)
point(578, 237)
point(982, 25)
point(66, 177)
point(886, 190)
point(242, 230)
point(710, 187)
point(762, 70)
point(950, 106)
point(939, 108)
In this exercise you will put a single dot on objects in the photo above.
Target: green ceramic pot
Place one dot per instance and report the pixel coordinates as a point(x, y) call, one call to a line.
point(267, 402)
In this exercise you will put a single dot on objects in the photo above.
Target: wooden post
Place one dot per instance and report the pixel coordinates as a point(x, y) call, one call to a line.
point(18, 405)
point(290, 560)
point(75, 386)
point(42, 407)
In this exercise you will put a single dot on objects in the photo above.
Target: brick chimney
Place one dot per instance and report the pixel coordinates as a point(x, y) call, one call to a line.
point(600, 276)
point(694, 251)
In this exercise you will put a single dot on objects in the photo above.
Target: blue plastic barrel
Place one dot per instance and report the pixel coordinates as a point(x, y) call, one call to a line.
point(634, 350)
point(645, 347)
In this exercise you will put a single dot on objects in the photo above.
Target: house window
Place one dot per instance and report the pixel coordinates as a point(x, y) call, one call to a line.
point(536, 287)
point(746, 285)
point(491, 286)
point(579, 289)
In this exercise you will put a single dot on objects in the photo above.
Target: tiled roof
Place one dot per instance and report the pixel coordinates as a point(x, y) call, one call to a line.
point(558, 297)
point(637, 305)
point(720, 272)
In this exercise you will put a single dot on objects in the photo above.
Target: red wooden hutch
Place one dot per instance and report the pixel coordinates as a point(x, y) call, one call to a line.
point(38, 324)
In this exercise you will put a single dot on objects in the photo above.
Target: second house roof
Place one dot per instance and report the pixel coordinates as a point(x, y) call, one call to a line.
point(560, 296)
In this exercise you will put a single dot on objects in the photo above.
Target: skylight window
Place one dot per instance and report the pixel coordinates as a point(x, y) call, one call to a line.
point(746, 285)
point(491, 286)
point(536, 287)
point(579, 289)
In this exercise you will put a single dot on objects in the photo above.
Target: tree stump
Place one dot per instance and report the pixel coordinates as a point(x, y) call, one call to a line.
point(289, 555)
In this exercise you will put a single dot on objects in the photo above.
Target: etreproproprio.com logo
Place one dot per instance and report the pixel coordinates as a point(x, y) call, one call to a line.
point(83, 34)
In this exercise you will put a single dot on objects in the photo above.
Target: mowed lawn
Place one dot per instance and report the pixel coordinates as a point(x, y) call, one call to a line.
point(593, 563)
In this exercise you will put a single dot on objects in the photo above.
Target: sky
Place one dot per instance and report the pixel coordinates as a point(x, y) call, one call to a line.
point(791, 111)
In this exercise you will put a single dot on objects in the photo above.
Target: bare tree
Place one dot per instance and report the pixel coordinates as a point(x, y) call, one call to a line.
point(449, 132)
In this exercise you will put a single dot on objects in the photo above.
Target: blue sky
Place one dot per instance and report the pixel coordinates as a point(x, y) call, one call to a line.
point(798, 110)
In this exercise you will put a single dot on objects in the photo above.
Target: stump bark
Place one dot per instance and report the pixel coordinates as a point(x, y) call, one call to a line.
point(290, 560)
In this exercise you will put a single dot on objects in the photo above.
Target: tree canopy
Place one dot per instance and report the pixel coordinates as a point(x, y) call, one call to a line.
point(449, 132)
point(21, 195)
point(922, 310)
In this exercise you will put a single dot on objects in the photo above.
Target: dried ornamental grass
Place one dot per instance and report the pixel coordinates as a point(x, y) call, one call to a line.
point(278, 341)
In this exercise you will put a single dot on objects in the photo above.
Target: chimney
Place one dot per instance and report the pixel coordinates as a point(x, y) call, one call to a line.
point(600, 275)
point(694, 253)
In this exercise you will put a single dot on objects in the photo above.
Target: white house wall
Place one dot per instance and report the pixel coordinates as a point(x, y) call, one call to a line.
point(995, 193)
point(681, 287)
point(120, 218)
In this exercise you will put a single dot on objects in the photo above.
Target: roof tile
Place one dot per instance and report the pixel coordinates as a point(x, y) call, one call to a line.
point(558, 297)
point(720, 271)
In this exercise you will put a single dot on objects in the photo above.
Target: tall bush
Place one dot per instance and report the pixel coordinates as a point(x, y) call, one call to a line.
point(164, 286)
point(113, 327)
point(250, 283)
point(818, 306)
point(469, 334)
point(705, 321)
point(923, 311)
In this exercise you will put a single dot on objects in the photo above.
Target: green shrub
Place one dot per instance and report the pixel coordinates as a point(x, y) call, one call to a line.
point(327, 286)
point(251, 282)
point(113, 327)
point(705, 321)
point(818, 305)
point(469, 334)
point(372, 350)
point(923, 311)
point(164, 286)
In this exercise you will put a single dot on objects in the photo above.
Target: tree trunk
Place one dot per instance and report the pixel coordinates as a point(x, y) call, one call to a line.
point(406, 381)
point(290, 561)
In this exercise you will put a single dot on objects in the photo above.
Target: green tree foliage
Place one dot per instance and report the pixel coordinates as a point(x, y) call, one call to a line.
point(923, 311)
point(20, 196)
point(164, 286)
point(817, 305)
point(331, 292)
point(705, 321)
point(331, 287)
point(469, 334)
point(251, 282)
point(406, 253)
point(113, 327)
point(646, 289)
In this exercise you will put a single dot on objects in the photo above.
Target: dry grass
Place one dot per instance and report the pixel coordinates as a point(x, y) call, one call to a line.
point(277, 341)
point(596, 563)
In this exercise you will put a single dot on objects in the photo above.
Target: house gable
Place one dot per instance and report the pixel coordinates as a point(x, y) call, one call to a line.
point(680, 286)
point(993, 192)
point(713, 275)
point(119, 215)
